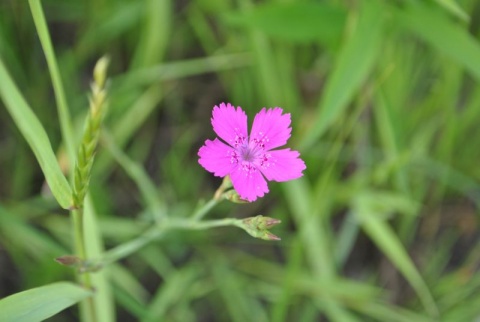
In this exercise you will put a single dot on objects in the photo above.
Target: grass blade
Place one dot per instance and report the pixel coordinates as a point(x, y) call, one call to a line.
point(352, 67)
point(34, 133)
point(40, 303)
point(368, 207)
point(63, 112)
point(462, 47)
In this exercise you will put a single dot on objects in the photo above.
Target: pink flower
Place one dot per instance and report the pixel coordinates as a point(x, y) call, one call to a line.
point(249, 160)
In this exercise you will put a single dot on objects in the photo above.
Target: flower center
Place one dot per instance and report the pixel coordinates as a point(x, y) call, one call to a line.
point(247, 153)
point(250, 154)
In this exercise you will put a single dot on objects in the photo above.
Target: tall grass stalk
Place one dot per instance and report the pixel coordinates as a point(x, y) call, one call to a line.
point(83, 166)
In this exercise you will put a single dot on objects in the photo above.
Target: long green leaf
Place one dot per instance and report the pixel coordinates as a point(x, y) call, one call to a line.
point(40, 303)
point(354, 64)
point(436, 29)
point(297, 22)
point(34, 133)
point(371, 209)
point(62, 107)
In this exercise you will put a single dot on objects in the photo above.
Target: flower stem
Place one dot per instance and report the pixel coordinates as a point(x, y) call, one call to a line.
point(201, 225)
point(202, 211)
point(77, 219)
point(132, 246)
point(80, 250)
point(157, 232)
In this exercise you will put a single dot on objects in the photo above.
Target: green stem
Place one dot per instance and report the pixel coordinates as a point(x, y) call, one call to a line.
point(77, 216)
point(132, 246)
point(80, 250)
point(157, 232)
point(201, 225)
point(202, 211)
point(79, 238)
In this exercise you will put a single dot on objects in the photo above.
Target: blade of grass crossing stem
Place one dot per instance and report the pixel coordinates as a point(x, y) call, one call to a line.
point(103, 295)
point(40, 303)
point(62, 107)
point(462, 47)
point(355, 61)
point(385, 239)
point(36, 137)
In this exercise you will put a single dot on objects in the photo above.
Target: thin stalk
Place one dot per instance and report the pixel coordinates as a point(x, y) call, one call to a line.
point(201, 225)
point(80, 250)
point(132, 246)
point(202, 211)
point(77, 221)
point(159, 231)
point(62, 107)
point(81, 179)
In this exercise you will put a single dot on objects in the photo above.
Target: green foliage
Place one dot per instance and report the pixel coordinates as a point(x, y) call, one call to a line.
point(385, 106)
point(41, 303)
point(34, 133)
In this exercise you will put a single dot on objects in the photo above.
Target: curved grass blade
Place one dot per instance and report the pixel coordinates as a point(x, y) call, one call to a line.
point(354, 64)
point(38, 304)
point(371, 211)
point(462, 47)
point(34, 133)
point(62, 107)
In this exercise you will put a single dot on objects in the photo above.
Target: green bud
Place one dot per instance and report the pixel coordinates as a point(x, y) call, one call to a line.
point(226, 184)
point(68, 260)
point(100, 71)
point(91, 134)
point(233, 196)
point(76, 262)
point(258, 227)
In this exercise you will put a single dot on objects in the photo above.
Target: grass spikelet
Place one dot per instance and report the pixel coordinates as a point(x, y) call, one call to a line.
point(86, 151)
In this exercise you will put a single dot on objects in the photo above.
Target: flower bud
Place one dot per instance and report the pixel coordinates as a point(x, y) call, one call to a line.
point(76, 262)
point(100, 71)
point(226, 184)
point(68, 260)
point(258, 227)
point(233, 196)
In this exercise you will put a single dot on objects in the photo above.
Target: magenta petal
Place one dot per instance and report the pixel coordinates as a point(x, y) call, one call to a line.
point(229, 123)
point(249, 184)
point(216, 157)
point(283, 165)
point(271, 128)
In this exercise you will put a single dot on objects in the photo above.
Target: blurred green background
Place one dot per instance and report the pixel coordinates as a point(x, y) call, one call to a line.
point(385, 108)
